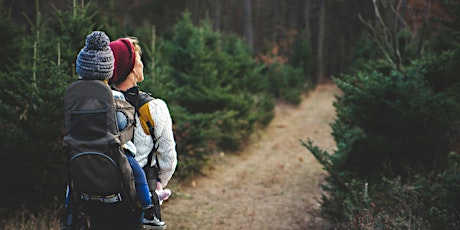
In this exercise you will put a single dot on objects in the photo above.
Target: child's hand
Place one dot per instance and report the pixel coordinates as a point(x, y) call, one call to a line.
point(159, 186)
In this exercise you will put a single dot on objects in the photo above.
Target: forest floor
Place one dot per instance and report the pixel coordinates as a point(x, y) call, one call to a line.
point(273, 183)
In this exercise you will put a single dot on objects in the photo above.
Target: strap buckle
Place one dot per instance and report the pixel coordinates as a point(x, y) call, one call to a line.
point(110, 199)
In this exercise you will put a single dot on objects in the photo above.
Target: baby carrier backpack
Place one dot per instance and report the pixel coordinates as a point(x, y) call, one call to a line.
point(100, 179)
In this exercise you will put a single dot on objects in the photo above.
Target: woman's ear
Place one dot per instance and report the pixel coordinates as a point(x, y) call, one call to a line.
point(135, 75)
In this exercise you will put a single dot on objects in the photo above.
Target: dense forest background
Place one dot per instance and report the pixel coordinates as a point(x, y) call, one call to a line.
point(331, 28)
point(221, 65)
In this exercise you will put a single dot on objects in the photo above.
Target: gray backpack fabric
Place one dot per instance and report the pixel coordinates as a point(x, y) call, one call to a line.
point(100, 177)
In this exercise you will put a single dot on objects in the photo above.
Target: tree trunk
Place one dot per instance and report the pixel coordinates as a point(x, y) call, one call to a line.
point(217, 16)
point(248, 23)
point(321, 37)
point(307, 21)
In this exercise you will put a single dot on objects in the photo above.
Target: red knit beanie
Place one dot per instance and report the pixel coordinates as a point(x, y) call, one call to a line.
point(125, 57)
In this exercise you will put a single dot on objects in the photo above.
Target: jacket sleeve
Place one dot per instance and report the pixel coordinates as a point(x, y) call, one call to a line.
point(166, 152)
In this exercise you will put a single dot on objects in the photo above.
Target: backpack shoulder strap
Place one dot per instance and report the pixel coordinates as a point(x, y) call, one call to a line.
point(140, 100)
point(145, 116)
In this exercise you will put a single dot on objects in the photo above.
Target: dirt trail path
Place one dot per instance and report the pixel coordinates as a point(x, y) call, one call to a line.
point(272, 184)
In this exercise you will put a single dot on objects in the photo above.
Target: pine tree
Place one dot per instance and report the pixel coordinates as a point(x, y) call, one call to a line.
point(33, 166)
point(212, 81)
point(10, 37)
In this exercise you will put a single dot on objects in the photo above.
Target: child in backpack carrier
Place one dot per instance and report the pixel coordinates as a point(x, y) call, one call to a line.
point(96, 62)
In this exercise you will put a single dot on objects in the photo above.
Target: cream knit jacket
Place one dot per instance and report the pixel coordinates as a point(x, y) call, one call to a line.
point(166, 152)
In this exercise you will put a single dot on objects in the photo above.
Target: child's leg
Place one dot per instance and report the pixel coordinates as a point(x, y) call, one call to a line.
point(142, 191)
point(142, 188)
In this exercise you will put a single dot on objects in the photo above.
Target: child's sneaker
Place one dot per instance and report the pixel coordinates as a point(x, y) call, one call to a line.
point(150, 221)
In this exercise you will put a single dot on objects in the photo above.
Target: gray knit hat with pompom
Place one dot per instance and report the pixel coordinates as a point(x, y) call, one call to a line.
point(95, 61)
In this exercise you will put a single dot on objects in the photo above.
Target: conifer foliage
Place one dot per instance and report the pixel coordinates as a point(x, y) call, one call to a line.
point(212, 87)
point(397, 136)
point(33, 164)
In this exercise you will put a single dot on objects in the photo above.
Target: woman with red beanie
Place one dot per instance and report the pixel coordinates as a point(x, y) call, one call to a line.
point(128, 71)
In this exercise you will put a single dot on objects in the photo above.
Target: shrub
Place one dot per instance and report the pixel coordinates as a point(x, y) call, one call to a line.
point(386, 127)
point(403, 123)
point(302, 58)
point(285, 82)
point(213, 87)
point(33, 163)
point(440, 194)
point(394, 131)
point(422, 202)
